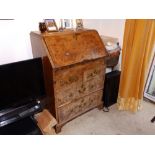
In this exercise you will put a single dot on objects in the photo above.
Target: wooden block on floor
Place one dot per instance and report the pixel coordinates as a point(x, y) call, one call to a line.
point(46, 122)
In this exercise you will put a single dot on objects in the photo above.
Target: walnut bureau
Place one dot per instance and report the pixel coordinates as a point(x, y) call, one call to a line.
point(74, 70)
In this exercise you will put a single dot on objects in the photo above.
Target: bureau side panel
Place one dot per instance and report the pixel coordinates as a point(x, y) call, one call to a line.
point(39, 50)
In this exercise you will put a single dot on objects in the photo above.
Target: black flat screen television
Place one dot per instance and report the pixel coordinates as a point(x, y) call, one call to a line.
point(21, 82)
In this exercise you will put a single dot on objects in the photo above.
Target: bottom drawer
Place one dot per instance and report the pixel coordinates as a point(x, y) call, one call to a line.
point(79, 106)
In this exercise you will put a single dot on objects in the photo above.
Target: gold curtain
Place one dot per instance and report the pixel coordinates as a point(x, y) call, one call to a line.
point(139, 39)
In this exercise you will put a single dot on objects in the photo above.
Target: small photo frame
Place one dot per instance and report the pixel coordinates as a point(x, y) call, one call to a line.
point(68, 23)
point(79, 24)
point(51, 25)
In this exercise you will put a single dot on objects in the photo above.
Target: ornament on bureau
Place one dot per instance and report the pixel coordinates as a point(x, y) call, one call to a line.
point(61, 28)
point(51, 25)
point(79, 24)
point(42, 27)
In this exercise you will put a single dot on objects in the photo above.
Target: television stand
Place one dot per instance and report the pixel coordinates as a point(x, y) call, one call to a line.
point(25, 126)
point(19, 120)
point(22, 90)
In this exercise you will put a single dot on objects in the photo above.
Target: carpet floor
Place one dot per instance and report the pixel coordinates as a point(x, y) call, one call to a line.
point(114, 122)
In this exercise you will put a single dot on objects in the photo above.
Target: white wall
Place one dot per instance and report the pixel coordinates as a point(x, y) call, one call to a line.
point(107, 27)
point(15, 41)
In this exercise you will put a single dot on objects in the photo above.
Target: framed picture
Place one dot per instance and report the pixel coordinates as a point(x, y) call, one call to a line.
point(51, 25)
point(149, 91)
point(68, 23)
point(79, 24)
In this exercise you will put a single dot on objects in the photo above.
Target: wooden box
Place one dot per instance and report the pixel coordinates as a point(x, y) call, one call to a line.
point(74, 71)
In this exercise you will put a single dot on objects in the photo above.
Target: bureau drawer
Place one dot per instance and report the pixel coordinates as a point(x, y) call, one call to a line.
point(73, 109)
point(94, 84)
point(78, 90)
point(67, 94)
point(96, 71)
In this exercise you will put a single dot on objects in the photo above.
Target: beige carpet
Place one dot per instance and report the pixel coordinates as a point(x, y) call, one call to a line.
point(97, 122)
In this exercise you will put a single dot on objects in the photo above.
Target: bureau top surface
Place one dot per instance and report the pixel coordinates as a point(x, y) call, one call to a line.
point(71, 47)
